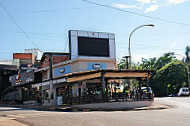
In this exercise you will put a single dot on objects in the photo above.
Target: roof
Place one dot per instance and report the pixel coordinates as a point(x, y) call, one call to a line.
point(107, 70)
point(108, 74)
point(53, 53)
point(97, 74)
point(8, 67)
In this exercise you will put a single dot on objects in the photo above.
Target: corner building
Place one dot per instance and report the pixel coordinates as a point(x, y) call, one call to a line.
point(87, 74)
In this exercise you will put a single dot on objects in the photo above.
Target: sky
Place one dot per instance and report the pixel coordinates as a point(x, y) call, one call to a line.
point(44, 24)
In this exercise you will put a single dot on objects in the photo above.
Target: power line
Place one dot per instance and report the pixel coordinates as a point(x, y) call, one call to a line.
point(135, 13)
point(41, 37)
point(55, 10)
point(14, 21)
point(142, 47)
point(177, 33)
point(68, 9)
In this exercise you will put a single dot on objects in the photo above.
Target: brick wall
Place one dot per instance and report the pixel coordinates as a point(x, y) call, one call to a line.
point(23, 56)
point(56, 60)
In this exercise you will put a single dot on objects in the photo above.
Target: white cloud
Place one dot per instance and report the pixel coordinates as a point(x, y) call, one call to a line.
point(146, 1)
point(138, 57)
point(151, 8)
point(124, 6)
point(175, 2)
point(173, 45)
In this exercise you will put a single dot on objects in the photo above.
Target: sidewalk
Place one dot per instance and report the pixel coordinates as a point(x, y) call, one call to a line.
point(75, 109)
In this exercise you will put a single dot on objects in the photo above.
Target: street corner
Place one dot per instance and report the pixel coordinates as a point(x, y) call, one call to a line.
point(160, 107)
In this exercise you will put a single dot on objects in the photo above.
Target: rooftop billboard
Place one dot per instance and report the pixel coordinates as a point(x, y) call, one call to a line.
point(85, 44)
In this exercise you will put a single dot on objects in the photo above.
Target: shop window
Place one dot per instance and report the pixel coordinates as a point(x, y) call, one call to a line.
point(44, 75)
point(46, 94)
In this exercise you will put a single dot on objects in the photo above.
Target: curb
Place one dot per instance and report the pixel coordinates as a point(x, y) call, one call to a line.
point(100, 109)
point(70, 109)
point(151, 108)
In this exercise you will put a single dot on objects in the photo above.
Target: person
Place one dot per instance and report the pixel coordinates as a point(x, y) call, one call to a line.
point(39, 100)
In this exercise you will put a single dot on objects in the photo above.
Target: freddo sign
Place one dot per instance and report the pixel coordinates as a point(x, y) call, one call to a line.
point(62, 70)
point(96, 66)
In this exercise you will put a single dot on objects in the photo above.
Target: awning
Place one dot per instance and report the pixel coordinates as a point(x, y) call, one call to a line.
point(56, 81)
point(97, 74)
point(108, 74)
point(40, 84)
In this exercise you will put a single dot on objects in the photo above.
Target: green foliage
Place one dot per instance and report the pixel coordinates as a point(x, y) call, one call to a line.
point(126, 87)
point(187, 54)
point(121, 64)
point(148, 64)
point(168, 76)
point(164, 60)
point(171, 77)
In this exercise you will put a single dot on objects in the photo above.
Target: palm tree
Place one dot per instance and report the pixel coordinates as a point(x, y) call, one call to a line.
point(187, 53)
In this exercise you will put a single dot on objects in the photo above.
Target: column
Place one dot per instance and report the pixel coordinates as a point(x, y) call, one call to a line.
point(103, 85)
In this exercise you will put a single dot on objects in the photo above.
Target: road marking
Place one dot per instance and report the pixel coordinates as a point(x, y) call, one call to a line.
point(25, 115)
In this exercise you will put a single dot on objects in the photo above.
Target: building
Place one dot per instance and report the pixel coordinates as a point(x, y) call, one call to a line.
point(36, 52)
point(22, 83)
point(26, 63)
point(23, 80)
point(6, 62)
point(5, 72)
point(57, 57)
point(88, 73)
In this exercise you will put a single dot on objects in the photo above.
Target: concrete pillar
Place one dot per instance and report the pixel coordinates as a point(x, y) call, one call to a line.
point(51, 88)
point(103, 85)
point(19, 89)
point(51, 76)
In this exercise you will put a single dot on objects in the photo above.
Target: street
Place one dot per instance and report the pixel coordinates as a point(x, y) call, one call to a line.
point(178, 114)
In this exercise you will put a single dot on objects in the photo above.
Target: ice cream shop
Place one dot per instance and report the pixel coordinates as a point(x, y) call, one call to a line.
point(87, 74)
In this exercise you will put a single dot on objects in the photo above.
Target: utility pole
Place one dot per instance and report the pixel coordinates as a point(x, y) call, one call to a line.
point(51, 74)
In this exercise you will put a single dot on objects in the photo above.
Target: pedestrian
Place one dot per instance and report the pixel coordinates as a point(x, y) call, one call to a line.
point(39, 100)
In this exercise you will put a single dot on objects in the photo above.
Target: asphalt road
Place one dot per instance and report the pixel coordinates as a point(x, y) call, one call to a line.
point(177, 115)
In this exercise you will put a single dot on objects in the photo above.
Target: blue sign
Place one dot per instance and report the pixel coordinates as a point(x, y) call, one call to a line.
point(96, 66)
point(62, 70)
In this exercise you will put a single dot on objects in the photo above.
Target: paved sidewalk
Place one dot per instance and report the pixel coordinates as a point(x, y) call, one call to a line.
point(4, 121)
point(72, 109)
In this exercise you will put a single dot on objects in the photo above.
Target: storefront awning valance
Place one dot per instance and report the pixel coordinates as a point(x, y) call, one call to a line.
point(109, 74)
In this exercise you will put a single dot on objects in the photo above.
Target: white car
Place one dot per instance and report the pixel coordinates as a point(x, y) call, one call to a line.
point(184, 91)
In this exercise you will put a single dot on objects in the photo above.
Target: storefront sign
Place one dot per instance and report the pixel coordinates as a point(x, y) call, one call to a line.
point(25, 67)
point(59, 81)
point(23, 78)
point(59, 100)
point(96, 66)
point(29, 79)
point(62, 70)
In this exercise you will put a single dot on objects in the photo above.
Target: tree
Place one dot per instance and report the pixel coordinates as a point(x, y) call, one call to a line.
point(121, 64)
point(165, 59)
point(187, 54)
point(168, 75)
point(171, 77)
point(148, 64)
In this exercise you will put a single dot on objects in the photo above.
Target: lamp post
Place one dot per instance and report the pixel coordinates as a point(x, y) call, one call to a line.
point(129, 49)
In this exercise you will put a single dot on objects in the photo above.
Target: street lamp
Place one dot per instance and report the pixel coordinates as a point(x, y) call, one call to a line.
point(129, 49)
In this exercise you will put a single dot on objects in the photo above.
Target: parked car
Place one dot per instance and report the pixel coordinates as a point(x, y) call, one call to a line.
point(184, 91)
point(147, 93)
point(172, 95)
